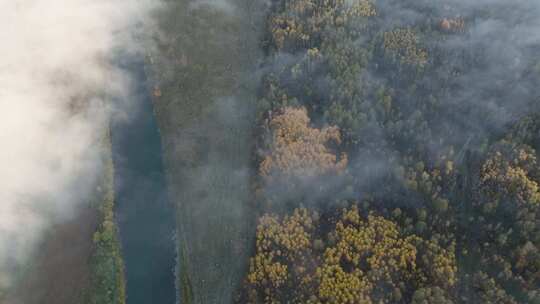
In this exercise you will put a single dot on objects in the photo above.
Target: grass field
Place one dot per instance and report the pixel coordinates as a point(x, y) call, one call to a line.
point(204, 106)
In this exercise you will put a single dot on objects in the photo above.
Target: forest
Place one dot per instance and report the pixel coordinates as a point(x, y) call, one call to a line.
point(397, 156)
point(393, 148)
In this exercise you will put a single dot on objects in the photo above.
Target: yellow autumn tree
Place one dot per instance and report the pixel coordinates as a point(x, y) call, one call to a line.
point(509, 172)
point(284, 247)
point(298, 150)
point(403, 44)
point(368, 253)
point(302, 22)
point(360, 259)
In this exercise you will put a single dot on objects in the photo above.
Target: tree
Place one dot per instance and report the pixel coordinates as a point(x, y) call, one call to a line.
point(403, 44)
point(296, 150)
point(360, 259)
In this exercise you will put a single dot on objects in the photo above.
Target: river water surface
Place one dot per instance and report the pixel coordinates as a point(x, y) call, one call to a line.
point(144, 214)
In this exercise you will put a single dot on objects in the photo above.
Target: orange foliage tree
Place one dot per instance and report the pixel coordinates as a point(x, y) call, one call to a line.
point(297, 150)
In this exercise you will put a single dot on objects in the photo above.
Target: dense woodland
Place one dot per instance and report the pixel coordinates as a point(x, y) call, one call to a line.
point(397, 154)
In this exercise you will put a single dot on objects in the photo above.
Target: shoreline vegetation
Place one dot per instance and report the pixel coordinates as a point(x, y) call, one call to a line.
point(107, 279)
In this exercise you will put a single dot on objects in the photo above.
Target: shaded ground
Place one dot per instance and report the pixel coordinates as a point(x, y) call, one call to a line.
point(78, 259)
point(60, 272)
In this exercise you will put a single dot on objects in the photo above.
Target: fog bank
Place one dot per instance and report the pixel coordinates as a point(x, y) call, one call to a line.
point(56, 80)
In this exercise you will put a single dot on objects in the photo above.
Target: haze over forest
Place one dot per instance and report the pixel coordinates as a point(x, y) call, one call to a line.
point(270, 151)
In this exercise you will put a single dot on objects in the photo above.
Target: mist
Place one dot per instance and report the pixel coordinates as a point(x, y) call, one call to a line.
point(57, 80)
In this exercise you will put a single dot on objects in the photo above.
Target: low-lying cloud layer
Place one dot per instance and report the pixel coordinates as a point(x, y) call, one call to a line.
point(56, 77)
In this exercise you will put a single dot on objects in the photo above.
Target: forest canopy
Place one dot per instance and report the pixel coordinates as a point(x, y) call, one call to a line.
point(424, 142)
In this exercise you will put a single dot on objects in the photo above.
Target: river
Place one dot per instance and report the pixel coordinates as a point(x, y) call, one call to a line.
point(144, 214)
